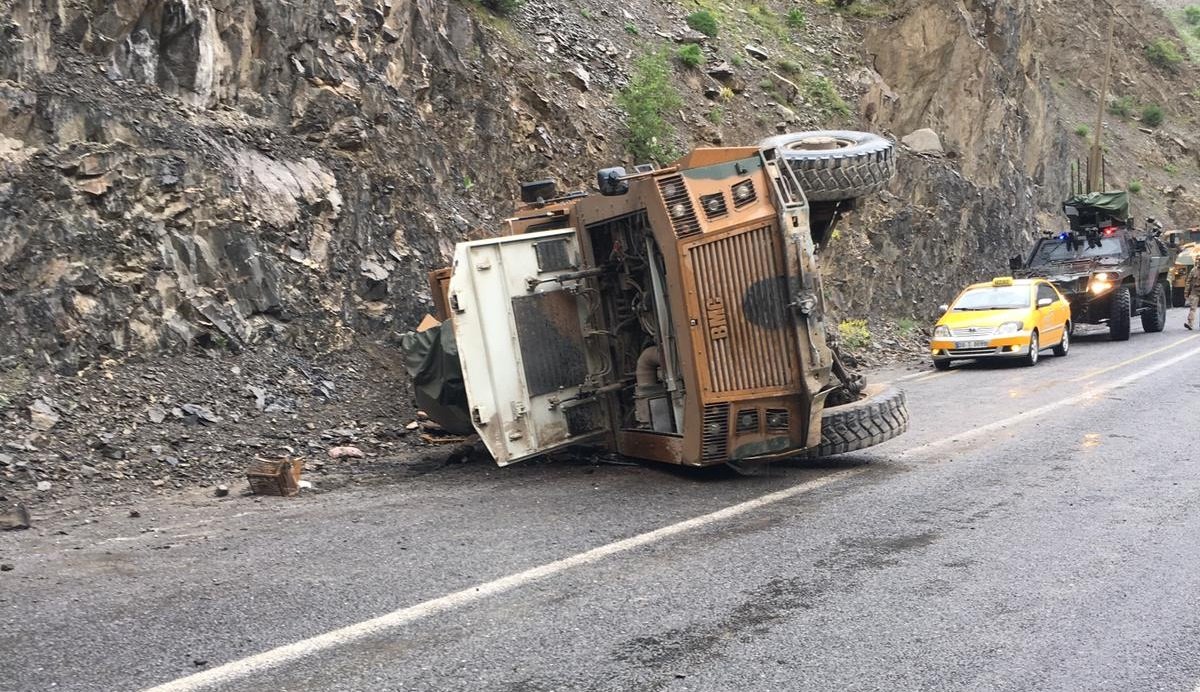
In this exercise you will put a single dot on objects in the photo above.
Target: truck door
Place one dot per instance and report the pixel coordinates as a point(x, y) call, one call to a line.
point(519, 309)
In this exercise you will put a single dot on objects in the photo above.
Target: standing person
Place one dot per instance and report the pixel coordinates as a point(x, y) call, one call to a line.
point(1191, 293)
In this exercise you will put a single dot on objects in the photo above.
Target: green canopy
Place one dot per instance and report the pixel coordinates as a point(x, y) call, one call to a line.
point(431, 358)
point(1114, 205)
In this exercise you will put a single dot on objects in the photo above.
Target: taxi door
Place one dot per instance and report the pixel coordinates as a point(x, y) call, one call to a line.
point(1052, 316)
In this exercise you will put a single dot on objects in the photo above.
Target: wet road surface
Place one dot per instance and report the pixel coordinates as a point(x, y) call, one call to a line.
point(1037, 528)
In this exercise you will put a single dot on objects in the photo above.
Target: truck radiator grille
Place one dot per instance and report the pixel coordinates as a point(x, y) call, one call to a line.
point(716, 433)
point(679, 206)
point(743, 298)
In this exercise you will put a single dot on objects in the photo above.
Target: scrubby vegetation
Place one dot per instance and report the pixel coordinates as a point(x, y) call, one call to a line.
point(1152, 115)
point(1163, 53)
point(690, 55)
point(704, 21)
point(648, 98)
point(854, 334)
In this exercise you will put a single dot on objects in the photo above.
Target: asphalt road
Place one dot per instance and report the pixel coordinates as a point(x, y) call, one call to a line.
point(1038, 528)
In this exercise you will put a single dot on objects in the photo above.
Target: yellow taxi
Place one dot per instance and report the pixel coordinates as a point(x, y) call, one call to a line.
point(1004, 318)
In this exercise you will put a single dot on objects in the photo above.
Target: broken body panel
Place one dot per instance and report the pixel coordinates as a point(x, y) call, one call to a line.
point(681, 321)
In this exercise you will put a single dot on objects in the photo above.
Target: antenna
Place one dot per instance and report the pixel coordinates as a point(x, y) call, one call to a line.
point(1095, 172)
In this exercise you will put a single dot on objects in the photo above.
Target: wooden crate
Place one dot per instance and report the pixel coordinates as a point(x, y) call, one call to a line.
point(275, 477)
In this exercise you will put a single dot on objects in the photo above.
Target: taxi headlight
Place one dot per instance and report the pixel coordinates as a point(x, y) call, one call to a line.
point(1009, 328)
point(941, 332)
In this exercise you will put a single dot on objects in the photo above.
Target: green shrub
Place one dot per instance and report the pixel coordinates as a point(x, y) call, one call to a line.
point(1082, 131)
point(1192, 14)
point(1123, 106)
point(821, 91)
point(765, 18)
point(648, 97)
point(796, 19)
point(1163, 53)
point(1152, 115)
point(586, 14)
point(906, 326)
point(716, 116)
point(854, 334)
point(690, 55)
point(1135, 186)
point(703, 21)
point(790, 67)
point(504, 7)
point(1196, 32)
point(632, 29)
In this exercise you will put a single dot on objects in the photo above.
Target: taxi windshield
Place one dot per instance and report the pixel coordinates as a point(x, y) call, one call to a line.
point(993, 298)
point(1059, 250)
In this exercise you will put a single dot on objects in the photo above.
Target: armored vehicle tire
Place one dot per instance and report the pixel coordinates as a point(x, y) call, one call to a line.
point(836, 165)
point(1156, 320)
point(878, 417)
point(1118, 317)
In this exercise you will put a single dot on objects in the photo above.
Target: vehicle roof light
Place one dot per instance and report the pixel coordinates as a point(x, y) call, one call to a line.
point(1002, 281)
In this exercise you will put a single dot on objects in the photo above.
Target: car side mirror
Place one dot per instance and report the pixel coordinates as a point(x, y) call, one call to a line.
point(943, 309)
point(1045, 302)
point(1014, 263)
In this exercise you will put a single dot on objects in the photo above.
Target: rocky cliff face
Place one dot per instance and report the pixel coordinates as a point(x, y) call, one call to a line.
point(182, 171)
point(177, 173)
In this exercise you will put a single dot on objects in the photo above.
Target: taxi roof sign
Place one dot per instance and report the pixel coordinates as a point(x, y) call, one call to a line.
point(1002, 281)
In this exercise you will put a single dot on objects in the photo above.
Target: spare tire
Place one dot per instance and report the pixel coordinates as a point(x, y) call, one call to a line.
point(876, 418)
point(837, 165)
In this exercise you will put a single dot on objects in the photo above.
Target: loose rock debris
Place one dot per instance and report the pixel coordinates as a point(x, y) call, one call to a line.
point(14, 518)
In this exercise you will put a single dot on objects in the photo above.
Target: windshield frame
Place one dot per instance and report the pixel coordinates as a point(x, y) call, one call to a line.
point(1084, 253)
point(991, 288)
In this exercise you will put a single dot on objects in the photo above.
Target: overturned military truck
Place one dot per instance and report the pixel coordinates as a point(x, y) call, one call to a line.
point(677, 316)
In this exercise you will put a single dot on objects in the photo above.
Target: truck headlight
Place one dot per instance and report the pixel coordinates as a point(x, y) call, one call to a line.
point(1100, 284)
point(1009, 328)
point(941, 332)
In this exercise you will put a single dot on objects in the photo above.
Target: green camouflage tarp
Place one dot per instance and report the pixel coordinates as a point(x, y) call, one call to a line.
point(1114, 204)
point(431, 358)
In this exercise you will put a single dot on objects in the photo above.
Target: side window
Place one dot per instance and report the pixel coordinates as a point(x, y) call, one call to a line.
point(1046, 291)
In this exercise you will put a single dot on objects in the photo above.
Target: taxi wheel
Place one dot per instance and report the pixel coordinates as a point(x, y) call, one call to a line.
point(941, 365)
point(1035, 348)
point(1064, 346)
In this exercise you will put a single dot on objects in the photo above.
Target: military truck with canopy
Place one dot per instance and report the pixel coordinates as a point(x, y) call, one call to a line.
point(1109, 270)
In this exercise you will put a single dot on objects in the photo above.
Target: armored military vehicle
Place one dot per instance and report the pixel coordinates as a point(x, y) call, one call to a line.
point(1187, 241)
point(677, 316)
point(1109, 270)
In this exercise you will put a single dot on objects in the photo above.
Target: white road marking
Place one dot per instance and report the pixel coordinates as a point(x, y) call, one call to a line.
point(258, 663)
point(1082, 397)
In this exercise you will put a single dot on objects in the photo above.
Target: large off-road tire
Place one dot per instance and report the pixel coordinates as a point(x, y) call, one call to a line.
point(1118, 316)
point(878, 417)
point(836, 165)
point(1156, 320)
